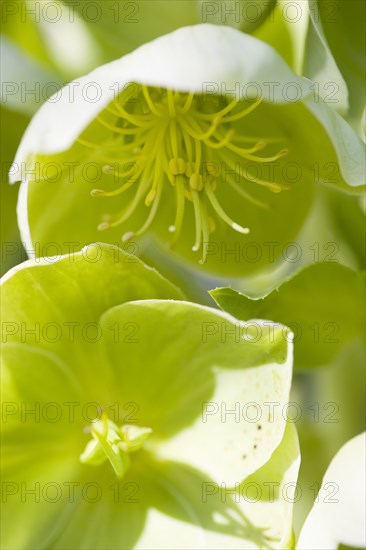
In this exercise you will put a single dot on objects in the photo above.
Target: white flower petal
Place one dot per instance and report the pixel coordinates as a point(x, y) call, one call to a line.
point(242, 423)
point(198, 59)
point(196, 514)
point(202, 59)
point(22, 215)
point(349, 149)
point(339, 519)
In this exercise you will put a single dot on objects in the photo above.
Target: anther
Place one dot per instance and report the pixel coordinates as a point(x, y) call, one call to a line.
point(171, 139)
point(196, 182)
point(190, 168)
point(103, 226)
point(127, 236)
point(150, 197)
point(108, 169)
point(177, 166)
point(97, 192)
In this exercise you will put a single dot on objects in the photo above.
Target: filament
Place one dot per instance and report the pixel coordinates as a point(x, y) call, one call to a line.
point(216, 206)
point(180, 205)
point(171, 135)
point(198, 218)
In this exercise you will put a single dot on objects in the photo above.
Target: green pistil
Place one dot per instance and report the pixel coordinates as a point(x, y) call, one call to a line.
point(113, 443)
point(168, 137)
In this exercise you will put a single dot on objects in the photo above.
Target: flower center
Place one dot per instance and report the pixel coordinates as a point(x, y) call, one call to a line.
point(113, 443)
point(180, 139)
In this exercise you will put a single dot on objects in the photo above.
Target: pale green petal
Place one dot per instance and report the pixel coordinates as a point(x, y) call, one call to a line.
point(61, 299)
point(336, 42)
point(339, 518)
point(35, 497)
point(111, 515)
point(319, 63)
point(59, 502)
point(275, 483)
point(39, 446)
point(191, 511)
point(91, 508)
point(182, 391)
point(350, 150)
point(162, 372)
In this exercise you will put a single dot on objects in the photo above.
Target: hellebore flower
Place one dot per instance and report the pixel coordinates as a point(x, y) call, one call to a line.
point(338, 519)
point(204, 138)
point(122, 426)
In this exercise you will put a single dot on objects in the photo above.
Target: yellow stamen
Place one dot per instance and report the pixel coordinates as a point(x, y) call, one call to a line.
point(216, 206)
point(169, 137)
point(243, 113)
point(188, 103)
point(149, 101)
point(117, 130)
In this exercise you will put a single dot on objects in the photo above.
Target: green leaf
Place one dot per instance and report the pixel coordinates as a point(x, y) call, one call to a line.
point(320, 305)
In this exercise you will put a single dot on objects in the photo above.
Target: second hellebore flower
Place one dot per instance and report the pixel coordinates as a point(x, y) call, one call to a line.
point(119, 435)
point(203, 138)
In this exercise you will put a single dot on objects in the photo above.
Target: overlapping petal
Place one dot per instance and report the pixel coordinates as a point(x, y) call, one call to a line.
point(163, 364)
